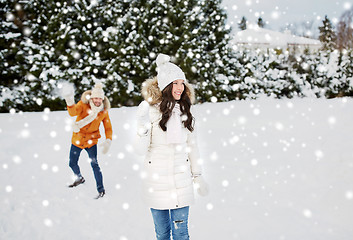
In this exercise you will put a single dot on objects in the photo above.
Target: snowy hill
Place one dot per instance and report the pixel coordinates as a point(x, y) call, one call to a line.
point(278, 169)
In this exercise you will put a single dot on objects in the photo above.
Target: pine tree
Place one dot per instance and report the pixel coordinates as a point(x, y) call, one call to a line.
point(64, 41)
point(13, 63)
point(260, 22)
point(193, 32)
point(242, 23)
point(116, 42)
point(327, 35)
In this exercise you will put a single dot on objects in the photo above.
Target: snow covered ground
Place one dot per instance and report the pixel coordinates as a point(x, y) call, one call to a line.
point(277, 169)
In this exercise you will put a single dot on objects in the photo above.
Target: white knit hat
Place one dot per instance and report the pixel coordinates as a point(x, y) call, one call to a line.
point(97, 91)
point(167, 72)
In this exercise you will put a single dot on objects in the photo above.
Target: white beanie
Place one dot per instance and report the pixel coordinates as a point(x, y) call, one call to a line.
point(97, 91)
point(167, 72)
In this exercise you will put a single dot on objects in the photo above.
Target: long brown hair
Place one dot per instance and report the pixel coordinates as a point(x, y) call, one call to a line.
point(168, 103)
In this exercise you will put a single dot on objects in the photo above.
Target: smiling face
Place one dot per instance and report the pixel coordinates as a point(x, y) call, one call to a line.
point(178, 89)
point(97, 101)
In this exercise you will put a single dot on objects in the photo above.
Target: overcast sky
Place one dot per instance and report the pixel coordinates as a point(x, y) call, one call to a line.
point(278, 13)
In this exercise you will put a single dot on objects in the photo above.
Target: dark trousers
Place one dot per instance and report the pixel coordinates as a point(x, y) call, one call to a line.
point(92, 154)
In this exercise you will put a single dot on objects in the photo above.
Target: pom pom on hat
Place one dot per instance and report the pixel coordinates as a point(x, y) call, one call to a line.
point(167, 72)
point(161, 59)
point(97, 91)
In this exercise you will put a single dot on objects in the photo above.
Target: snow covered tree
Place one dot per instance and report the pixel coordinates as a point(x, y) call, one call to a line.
point(345, 30)
point(117, 42)
point(242, 24)
point(327, 35)
point(342, 84)
point(193, 32)
point(63, 41)
point(260, 22)
point(13, 63)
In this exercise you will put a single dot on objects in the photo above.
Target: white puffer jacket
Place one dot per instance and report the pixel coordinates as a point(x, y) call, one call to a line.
point(169, 168)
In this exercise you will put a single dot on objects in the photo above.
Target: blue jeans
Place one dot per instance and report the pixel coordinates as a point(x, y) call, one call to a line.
point(173, 219)
point(92, 154)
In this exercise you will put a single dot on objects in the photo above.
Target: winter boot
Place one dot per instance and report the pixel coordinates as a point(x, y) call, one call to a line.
point(77, 182)
point(101, 194)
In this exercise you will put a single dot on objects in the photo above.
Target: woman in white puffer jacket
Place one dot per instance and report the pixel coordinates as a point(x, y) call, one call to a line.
point(166, 136)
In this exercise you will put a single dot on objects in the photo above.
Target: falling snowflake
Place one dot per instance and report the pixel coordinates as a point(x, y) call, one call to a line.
point(307, 213)
point(254, 162)
point(48, 222)
point(225, 183)
point(44, 166)
point(126, 206)
point(349, 195)
point(8, 188)
point(209, 206)
point(17, 159)
point(57, 147)
point(55, 169)
point(45, 203)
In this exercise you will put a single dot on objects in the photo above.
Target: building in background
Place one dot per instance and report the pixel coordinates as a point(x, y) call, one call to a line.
point(264, 39)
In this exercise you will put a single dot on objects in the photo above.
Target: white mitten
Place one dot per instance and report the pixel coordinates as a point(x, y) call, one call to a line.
point(67, 92)
point(105, 145)
point(70, 100)
point(143, 118)
point(201, 186)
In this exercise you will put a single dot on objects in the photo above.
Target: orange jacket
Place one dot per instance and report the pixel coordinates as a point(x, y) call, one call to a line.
point(88, 135)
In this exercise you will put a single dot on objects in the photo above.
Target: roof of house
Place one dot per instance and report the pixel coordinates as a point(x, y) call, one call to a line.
point(262, 36)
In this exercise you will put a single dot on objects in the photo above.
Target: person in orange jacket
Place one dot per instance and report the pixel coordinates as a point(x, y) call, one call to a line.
point(90, 111)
